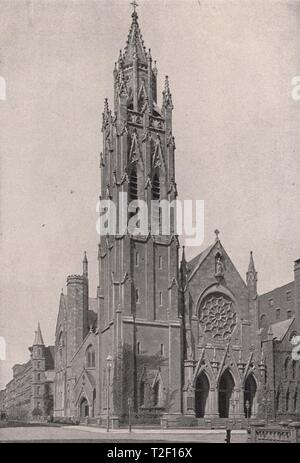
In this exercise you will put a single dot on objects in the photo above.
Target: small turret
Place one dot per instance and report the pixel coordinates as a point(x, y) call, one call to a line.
point(251, 277)
point(167, 96)
point(85, 265)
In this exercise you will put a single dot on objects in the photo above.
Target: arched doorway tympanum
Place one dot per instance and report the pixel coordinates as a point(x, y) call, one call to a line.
point(249, 395)
point(201, 395)
point(226, 387)
point(84, 408)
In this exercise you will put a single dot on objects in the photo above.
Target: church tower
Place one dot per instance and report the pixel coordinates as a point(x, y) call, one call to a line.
point(139, 323)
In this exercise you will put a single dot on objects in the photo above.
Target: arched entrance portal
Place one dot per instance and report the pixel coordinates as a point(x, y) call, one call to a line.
point(84, 408)
point(201, 394)
point(249, 395)
point(226, 386)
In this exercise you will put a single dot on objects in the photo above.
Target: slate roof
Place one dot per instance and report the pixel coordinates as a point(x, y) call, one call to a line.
point(280, 329)
point(197, 261)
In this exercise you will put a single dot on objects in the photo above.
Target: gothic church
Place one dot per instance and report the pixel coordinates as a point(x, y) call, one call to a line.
point(181, 343)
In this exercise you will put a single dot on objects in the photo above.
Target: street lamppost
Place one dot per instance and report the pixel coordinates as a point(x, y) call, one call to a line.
point(108, 364)
point(247, 404)
point(129, 413)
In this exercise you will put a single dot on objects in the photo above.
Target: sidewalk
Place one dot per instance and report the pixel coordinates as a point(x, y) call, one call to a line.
point(196, 431)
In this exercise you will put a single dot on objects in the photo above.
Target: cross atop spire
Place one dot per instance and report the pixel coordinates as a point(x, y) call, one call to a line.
point(135, 44)
point(217, 235)
point(135, 5)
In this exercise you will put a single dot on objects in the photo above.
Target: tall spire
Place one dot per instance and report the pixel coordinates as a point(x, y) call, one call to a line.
point(38, 338)
point(135, 44)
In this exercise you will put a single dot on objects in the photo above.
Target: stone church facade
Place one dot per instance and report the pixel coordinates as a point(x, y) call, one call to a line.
point(185, 342)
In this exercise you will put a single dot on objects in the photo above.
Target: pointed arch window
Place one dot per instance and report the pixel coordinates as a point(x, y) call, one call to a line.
point(142, 99)
point(295, 400)
point(156, 187)
point(137, 296)
point(133, 185)
point(156, 211)
point(157, 392)
point(286, 369)
point(90, 357)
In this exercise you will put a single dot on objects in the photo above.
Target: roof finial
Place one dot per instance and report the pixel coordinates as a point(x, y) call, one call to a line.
point(135, 5)
point(217, 235)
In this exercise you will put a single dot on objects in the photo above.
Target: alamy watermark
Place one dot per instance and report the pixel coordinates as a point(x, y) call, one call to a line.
point(296, 350)
point(163, 217)
point(2, 348)
point(296, 88)
point(2, 89)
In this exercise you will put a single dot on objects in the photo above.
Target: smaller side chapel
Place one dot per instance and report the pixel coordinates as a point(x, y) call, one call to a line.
point(222, 363)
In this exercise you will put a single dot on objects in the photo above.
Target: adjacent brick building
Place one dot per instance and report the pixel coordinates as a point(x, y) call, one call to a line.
point(29, 394)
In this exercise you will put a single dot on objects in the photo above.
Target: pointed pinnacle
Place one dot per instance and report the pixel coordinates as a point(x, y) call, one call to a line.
point(38, 338)
point(251, 267)
point(167, 84)
point(106, 109)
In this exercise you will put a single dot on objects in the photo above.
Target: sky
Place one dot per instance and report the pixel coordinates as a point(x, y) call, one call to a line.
point(236, 125)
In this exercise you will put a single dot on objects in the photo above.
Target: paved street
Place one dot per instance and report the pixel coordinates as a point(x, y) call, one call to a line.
point(91, 434)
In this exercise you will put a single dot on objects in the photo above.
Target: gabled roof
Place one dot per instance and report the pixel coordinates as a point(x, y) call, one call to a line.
point(197, 261)
point(280, 329)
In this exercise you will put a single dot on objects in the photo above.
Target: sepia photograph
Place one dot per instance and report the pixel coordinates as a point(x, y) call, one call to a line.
point(150, 224)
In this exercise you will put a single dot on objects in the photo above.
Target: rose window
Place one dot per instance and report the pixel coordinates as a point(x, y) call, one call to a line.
point(218, 317)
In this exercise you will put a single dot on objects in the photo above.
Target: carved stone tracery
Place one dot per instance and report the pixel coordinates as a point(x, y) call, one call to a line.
point(217, 316)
